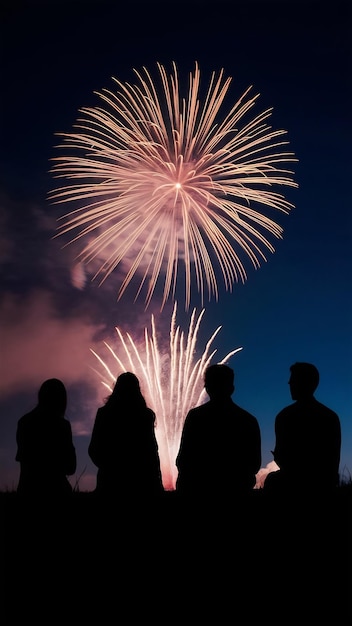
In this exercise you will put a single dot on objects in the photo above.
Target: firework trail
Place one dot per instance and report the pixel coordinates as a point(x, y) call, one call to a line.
point(172, 380)
point(160, 181)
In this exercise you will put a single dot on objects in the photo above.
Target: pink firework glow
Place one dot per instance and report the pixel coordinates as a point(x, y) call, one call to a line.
point(161, 181)
point(171, 379)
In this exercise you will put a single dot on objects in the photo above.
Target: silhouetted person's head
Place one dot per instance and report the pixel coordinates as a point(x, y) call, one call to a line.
point(303, 381)
point(126, 390)
point(52, 396)
point(126, 383)
point(219, 381)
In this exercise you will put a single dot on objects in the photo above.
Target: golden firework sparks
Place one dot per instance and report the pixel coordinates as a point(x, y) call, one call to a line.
point(164, 181)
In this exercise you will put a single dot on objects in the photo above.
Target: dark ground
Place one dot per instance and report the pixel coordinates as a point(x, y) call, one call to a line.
point(168, 561)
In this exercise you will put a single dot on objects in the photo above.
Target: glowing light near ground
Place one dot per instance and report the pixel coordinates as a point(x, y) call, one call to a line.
point(263, 472)
point(171, 378)
point(159, 178)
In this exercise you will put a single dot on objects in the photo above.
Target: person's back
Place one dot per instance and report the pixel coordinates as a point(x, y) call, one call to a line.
point(45, 447)
point(123, 444)
point(220, 449)
point(307, 437)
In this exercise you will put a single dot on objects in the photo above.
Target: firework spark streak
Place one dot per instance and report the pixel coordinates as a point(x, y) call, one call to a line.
point(161, 179)
point(172, 380)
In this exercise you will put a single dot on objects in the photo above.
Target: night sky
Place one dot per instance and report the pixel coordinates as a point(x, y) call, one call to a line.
point(295, 307)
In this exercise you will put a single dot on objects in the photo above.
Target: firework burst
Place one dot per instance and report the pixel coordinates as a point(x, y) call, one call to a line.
point(171, 379)
point(160, 181)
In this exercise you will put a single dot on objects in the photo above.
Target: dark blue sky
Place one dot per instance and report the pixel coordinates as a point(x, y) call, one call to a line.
point(297, 306)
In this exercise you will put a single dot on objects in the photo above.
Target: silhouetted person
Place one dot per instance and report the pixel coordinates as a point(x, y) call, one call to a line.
point(220, 448)
point(123, 444)
point(307, 438)
point(45, 448)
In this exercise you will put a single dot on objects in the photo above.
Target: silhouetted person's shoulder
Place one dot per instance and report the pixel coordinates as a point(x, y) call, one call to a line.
point(227, 412)
point(251, 419)
point(312, 405)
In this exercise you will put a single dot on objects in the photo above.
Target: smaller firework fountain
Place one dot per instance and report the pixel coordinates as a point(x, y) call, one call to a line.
point(171, 379)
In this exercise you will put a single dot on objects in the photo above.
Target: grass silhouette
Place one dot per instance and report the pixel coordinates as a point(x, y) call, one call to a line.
point(255, 560)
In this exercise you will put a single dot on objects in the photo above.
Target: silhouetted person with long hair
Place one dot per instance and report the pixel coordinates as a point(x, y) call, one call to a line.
point(307, 438)
point(123, 444)
point(220, 448)
point(45, 447)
